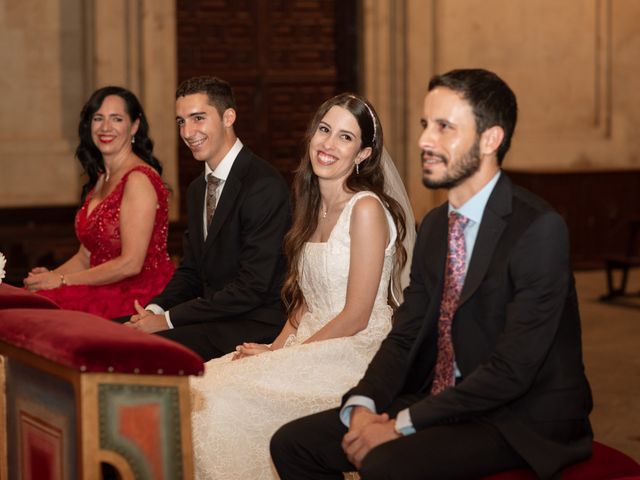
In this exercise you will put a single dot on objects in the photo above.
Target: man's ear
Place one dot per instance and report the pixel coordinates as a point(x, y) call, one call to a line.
point(229, 117)
point(490, 140)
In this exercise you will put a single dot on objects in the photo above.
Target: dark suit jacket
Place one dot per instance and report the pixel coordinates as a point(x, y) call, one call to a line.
point(516, 334)
point(239, 269)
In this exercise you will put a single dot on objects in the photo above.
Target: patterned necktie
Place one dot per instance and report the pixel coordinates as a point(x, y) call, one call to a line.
point(212, 186)
point(453, 281)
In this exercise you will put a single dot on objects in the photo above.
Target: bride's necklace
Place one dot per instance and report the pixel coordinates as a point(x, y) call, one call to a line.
point(333, 202)
point(324, 211)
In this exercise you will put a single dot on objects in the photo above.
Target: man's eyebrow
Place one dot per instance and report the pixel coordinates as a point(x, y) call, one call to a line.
point(444, 120)
point(178, 117)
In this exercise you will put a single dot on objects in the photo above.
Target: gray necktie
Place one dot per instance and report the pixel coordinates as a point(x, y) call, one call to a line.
point(212, 186)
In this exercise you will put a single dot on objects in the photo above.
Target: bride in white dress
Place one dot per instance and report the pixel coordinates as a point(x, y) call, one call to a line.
point(345, 246)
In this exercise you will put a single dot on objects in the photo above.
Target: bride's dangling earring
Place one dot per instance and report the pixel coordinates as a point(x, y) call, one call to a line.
point(357, 168)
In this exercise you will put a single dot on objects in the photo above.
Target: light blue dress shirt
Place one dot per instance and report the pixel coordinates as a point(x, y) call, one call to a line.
point(473, 209)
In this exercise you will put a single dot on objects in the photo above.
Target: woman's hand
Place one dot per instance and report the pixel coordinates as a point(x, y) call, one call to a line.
point(249, 349)
point(43, 280)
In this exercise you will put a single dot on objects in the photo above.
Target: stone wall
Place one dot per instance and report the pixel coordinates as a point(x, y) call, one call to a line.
point(54, 53)
point(572, 65)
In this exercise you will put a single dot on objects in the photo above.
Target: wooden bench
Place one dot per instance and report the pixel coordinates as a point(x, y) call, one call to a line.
point(78, 391)
point(623, 263)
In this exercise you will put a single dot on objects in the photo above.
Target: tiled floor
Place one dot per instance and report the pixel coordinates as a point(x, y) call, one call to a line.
point(611, 344)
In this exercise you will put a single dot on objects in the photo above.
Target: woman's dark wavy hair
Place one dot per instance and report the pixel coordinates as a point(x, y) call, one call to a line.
point(306, 193)
point(88, 154)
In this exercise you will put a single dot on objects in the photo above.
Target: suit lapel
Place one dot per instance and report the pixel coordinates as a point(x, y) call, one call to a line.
point(436, 244)
point(224, 207)
point(491, 228)
point(230, 192)
point(434, 259)
point(198, 202)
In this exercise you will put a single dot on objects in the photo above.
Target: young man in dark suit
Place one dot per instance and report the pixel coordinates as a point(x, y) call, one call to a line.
point(482, 371)
point(227, 287)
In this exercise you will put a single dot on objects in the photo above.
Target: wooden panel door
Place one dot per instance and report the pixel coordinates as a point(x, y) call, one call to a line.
point(282, 58)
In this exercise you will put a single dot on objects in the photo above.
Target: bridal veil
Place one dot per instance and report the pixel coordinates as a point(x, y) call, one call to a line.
point(394, 187)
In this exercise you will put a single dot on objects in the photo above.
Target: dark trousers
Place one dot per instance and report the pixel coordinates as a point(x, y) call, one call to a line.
point(309, 448)
point(214, 339)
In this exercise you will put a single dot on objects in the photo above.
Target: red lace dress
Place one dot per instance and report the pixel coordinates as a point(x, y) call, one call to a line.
point(99, 232)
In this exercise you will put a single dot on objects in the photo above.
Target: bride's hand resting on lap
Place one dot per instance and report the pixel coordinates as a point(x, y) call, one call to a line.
point(248, 349)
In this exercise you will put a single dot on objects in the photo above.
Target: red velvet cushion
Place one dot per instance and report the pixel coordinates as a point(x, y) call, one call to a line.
point(89, 343)
point(606, 463)
point(12, 297)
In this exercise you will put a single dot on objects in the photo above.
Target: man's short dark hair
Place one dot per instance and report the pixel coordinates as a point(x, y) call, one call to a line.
point(219, 91)
point(491, 99)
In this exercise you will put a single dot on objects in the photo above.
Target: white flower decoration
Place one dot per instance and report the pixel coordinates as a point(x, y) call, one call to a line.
point(3, 262)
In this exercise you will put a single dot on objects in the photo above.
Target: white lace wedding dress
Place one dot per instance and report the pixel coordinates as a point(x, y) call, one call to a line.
point(237, 406)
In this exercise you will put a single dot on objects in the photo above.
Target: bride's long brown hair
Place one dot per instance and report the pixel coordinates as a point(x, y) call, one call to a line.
point(306, 193)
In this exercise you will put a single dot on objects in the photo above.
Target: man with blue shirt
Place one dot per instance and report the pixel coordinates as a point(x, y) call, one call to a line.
point(482, 371)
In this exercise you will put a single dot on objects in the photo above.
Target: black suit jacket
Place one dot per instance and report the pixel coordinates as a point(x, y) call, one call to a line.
point(239, 269)
point(516, 334)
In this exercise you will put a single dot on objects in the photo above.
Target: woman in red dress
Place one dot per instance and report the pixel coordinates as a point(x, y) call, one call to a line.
point(123, 222)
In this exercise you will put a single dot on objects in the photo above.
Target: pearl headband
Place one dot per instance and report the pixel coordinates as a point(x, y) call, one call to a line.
point(373, 118)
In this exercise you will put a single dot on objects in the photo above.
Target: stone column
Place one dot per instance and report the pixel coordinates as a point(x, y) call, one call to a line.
point(398, 62)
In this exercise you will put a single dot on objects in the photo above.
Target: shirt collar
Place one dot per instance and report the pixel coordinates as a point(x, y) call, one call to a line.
point(474, 207)
point(224, 167)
